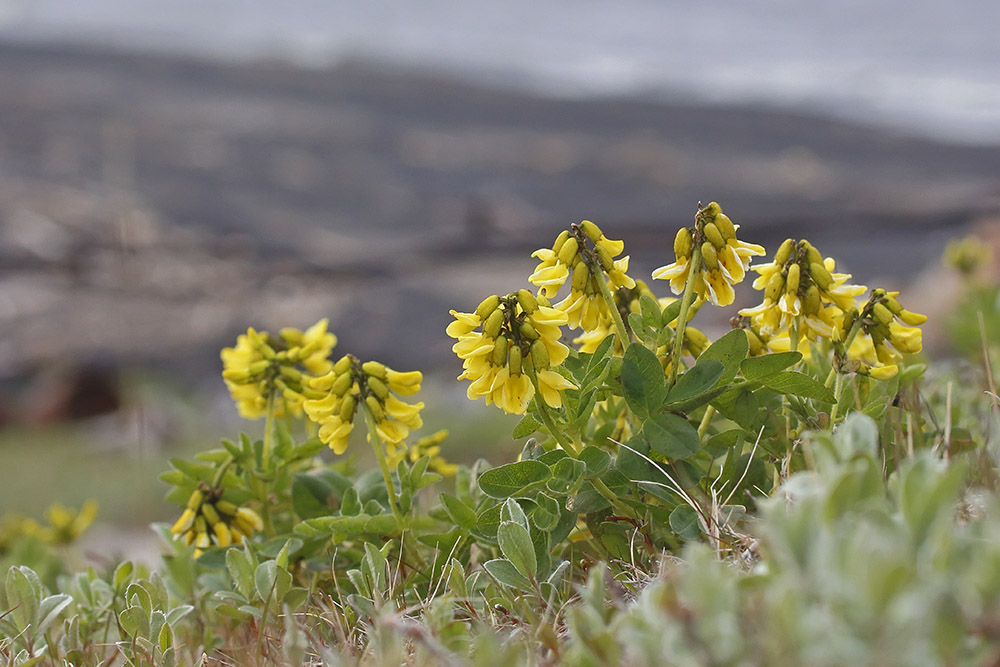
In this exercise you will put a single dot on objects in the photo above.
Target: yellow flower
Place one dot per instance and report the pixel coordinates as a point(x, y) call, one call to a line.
point(261, 366)
point(724, 258)
point(370, 386)
point(587, 255)
point(209, 520)
point(427, 446)
point(518, 336)
point(799, 283)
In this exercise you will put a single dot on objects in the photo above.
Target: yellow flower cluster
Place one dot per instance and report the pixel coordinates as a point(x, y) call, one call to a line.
point(890, 332)
point(724, 257)
point(208, 520)
point(800, 283)
point(504, 343)
point(262, 366)
point(428, 446)
point(590, 257)
point(371, 386)
point(64, 524)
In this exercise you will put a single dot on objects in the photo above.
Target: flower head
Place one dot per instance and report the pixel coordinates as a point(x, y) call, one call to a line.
point(504, 343)
point(262, 366)
point(885, 332)
point(372, 387)
point(799, 283)
point(587, 255)
point(427, 446)
point(724, 258)
point(210, 520)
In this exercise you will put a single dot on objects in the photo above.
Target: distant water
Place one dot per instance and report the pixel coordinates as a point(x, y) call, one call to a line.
point(923, 66)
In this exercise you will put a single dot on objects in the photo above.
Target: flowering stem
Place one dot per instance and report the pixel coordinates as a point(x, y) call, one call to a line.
point(682, 317)
point(705, 421)
point(623, 336)
point(836, 398)
point(390, 489)
point(268, 428)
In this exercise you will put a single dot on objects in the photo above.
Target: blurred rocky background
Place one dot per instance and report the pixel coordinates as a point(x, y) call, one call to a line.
point(161, 190)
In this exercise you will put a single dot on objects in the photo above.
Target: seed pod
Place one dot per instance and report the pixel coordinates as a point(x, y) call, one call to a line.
point(775, 287)
point(560, 240)
point(378, 414)
point(882, 313)
point(378, 388)
point(568, 251)
point(784, 252)
point(528, 331)
point(713, 234)
point(195, 500)
point(529, 303)
point(792, 280)
point(682, 243)
point(709, 257)
point(581, 274)
point(342, 384)
point(208, 511)
point(491, 327)
point(374, 368)
point(500, 351)
point(539, 355)
point(726, 226)
point(820, 275)
point(812, 301)
point(592, 231)
point(487, 306)
point(515, 360)
point(607, 263)
point(347, 407)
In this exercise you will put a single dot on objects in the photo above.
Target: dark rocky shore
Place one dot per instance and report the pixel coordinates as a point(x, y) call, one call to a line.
point(153, 207)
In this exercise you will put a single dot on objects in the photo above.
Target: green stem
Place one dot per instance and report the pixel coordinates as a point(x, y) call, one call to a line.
point(623, 336)
point(705, 421)
point(682, 317)
point(268, 428)
point(838, 390)
point(383, 465)
point(793, 335)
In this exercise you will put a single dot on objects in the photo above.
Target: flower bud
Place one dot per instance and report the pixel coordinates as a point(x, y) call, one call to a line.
point(527, 300)
point(792, 280)
point(884, 372)
point(812, 255)
point(222, 535)
point(711, 211)
point(696, 340)
point(375, 408)
point(515, 360)
point(195, 500)
point(784, 252)
point(812, 302)
point(568, 251)
point(342, 384)
point(374, 368)
point(293, 374)
point(726, 226)
point(882, 313)
point(250, 518)
point(487, 306)
point(208, 511)
point(528, 331)
point(560, 240)
point(607, 263)
point(226, 507)
point(347, 407)
point(713, 234)
point(820, 275)
point(581, 274)
point(258, 367)
point(499, 357)
point(775, 287)
point(184, 523)
point(592, 231)
point(491, 327)
point(539, 355)
point(709, 256)
point(343, 364)
point(378, 387)
point(682, 243)
point(757, 346)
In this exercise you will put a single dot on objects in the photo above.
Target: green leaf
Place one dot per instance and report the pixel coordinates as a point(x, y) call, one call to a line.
point(756, 368)
point(193, 470)
point(629, 461)
point(684, 522)
point(240, 570)
point(595, 459)
point(122, 575)
point(505, 572)
point(511, 511)
point(384, 525)
point(697, 381)
point(463, 515)
point(265, 578)
point(547, 512)
point(166, 638)
point(513, 478)
point(642, 380)
point(671, 435)
point(670, 313)
point(566, 474)
point(487, 523)
point(526, 427)
point(515, 544)
point(857, 434)
point(730, 350)
point(49, 610)
point(313, 496)
point(798, 384)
